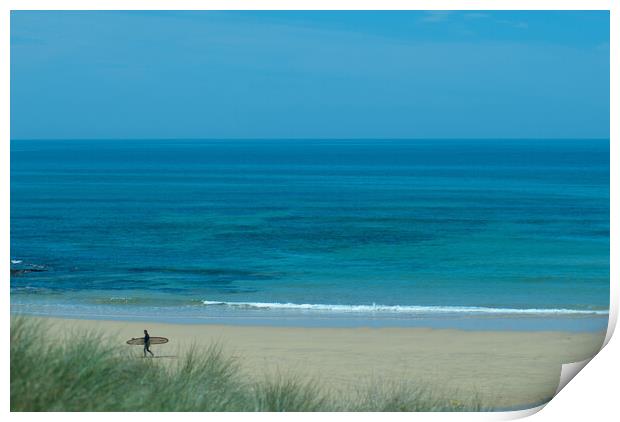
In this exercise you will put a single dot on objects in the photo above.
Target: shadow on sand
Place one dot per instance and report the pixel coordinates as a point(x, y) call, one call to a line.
point(159, 357)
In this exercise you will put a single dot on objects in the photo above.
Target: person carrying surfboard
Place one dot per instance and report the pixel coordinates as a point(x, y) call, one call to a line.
point(147, 343)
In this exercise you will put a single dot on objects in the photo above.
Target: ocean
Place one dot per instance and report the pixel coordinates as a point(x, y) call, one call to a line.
point(474, 234)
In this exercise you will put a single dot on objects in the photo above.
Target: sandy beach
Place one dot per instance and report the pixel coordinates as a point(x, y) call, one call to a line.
point(503, 369)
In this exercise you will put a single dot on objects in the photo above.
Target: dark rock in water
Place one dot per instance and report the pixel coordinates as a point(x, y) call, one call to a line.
point(21, 271)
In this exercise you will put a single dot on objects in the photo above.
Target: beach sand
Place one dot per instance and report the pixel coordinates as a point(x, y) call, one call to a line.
point(502, 368)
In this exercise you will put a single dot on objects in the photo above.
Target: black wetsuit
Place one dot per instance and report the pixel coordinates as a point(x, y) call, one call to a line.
point(147, 344)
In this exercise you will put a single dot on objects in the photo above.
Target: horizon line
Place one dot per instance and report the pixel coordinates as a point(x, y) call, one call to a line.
point(313, 139)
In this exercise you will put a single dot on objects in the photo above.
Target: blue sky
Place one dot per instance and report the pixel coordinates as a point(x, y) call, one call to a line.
point(420, 74)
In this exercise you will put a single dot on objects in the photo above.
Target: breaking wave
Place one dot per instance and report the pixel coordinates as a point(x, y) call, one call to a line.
point(400, 309)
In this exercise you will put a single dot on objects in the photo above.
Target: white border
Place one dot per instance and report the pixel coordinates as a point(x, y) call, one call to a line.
point(596, 388)
point(309, 5)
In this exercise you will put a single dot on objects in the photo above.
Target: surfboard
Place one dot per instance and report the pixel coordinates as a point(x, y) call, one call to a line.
point(140, 341)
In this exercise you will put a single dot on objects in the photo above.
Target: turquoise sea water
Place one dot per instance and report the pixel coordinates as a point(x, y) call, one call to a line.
point(372, 232)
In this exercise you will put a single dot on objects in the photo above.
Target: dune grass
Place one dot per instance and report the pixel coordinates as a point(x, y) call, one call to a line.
point(88, 375)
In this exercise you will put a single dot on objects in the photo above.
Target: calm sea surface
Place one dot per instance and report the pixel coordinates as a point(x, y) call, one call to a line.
point(373, 231)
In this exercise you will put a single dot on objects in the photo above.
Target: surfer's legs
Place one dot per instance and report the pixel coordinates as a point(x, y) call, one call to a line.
point(146, 349)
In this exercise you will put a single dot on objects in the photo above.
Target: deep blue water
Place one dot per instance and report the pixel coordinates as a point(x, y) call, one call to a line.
point(363, 228)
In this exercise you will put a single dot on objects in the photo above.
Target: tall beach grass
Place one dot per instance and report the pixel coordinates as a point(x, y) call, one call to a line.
point(87, 374)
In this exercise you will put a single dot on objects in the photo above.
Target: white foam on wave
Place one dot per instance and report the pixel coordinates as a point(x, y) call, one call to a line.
point(401, 309)
point(16, 261)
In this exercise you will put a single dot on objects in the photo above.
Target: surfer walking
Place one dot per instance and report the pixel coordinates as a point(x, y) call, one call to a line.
point(147, 343)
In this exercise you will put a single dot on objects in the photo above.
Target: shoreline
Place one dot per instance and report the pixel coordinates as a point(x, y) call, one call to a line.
point(506, 369)
point(585, 321)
